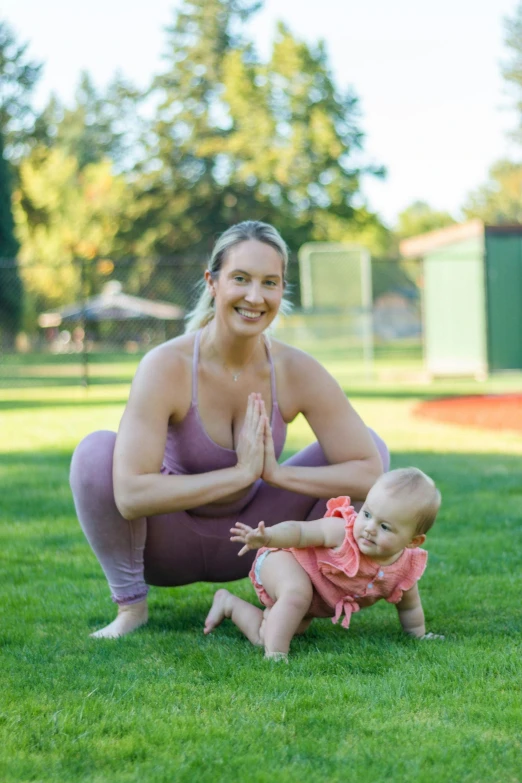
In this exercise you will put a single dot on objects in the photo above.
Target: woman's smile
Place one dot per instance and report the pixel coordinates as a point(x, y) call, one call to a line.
point(250, 315)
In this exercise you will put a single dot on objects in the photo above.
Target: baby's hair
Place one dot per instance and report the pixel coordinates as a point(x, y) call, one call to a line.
point(422, 492)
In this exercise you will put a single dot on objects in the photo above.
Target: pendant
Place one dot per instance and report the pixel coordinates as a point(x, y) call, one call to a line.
point(235, 376)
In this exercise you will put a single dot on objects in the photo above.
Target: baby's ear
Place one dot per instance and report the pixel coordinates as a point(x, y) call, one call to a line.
point(416, 541)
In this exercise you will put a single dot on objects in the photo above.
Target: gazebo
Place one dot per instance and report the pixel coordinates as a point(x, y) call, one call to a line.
point(111, 305)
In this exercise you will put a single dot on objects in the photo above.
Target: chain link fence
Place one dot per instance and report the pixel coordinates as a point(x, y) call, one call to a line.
point(78, 314)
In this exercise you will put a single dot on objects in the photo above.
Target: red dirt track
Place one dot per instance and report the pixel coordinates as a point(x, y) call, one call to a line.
point(492, 412)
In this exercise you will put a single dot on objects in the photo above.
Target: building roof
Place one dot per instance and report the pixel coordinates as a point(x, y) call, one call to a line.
point(416, 247)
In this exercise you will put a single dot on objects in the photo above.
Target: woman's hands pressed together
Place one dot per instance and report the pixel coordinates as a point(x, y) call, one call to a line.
point(255, 447)
point(270, 464)
point(250, 445)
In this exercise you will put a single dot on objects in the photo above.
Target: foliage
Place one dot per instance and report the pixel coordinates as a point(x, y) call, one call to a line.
point(64, 213)
point(237, 138)
point(226, 137)
point(512, 68)
point(419, 218)
point(98, 126)
point(500, 199)
point(18, 77)
point(11, 295)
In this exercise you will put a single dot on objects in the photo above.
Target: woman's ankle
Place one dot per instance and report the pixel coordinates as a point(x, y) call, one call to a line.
point(136, 607)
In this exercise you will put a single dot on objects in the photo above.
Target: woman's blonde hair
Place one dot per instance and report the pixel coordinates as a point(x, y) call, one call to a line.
point(203, 312)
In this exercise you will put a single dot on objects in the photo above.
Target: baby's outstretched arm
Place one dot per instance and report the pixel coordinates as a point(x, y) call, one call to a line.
point(411, 615)
point(250, 537)
point(327, 532)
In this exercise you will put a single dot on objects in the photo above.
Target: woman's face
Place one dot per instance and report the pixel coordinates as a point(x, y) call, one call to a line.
point(249, 288)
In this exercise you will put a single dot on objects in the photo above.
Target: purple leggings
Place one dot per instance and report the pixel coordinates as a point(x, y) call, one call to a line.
point(178, 548)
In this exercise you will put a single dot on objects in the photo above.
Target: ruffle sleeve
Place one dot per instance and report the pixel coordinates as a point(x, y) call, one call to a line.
point(418, 559)
point(341, 507)
point(347, 557)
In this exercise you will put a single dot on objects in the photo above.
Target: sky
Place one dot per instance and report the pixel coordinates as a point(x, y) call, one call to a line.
point(434, 107)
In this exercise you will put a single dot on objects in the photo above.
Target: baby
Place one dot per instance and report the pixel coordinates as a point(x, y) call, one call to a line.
point(337, 565)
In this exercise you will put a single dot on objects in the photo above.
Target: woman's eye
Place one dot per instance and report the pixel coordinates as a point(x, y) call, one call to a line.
point(239, 279)
point(270, 282)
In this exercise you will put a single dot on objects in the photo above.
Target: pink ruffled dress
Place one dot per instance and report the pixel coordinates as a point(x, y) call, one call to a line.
point(344, 579)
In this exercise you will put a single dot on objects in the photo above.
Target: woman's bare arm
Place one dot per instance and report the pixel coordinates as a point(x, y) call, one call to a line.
point(139, 487)
point(355, 463)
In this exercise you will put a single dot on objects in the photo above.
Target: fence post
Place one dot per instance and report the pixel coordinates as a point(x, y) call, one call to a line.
point(83, 302)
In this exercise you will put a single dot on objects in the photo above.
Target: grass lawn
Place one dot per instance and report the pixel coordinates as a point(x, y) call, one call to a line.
point(168, 704)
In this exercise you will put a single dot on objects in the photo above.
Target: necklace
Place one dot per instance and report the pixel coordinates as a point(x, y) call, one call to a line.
point(235, 375)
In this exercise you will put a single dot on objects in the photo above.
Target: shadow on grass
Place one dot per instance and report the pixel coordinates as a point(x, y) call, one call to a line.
point(74, 359)
point(8, 405)
point(50, 381)
point(411, 393)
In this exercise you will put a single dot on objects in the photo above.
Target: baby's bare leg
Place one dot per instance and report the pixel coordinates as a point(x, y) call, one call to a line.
point(247, 617)
point(301, 628)
point(289, 585)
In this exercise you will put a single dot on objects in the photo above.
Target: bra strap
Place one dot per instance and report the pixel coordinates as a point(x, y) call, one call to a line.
point(272, 371)
point(195, 362)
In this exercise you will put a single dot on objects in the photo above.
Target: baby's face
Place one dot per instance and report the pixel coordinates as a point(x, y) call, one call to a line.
point(385, 526)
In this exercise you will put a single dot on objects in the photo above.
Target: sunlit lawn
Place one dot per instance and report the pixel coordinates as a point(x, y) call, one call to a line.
point(168, 704)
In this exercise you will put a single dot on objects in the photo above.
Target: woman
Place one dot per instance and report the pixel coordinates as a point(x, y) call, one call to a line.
point(199, 440)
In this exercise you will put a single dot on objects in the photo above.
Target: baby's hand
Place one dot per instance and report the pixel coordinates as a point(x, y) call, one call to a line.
point(252, 539)
point(431, 636)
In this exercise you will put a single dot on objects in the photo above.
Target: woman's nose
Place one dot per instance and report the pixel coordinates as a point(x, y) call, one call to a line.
point(254, 293)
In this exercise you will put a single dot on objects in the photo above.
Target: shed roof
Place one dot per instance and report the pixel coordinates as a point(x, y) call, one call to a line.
point(421, 245)
point(415, 247)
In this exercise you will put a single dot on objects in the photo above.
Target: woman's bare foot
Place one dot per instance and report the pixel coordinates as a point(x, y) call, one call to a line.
point(218, 611)
point(129, 618)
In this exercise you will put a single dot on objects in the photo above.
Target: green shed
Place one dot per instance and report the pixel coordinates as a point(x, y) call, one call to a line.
point(472, 297)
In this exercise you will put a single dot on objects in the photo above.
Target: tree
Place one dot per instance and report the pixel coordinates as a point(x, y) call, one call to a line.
point(294, 135)
point(512, 68)
point(11, 295)
point(499, 200)
point(98, 126)
point(63, 214)
point(237, 138)
point(18, 77)
point(419, 218)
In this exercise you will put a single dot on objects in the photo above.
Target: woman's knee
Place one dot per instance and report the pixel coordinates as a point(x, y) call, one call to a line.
point(91, 464)
point(382, 448)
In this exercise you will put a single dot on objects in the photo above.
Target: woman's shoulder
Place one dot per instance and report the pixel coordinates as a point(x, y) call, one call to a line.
point(294, 360)
point(300, 368)
point(171, 360)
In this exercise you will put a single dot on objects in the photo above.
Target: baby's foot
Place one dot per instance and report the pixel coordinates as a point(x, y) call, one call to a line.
point(276, 656)
point(218, 611)
point(129, 618)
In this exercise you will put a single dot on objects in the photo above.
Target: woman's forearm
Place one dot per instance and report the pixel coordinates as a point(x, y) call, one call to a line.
point(156, 493)
point(354, 478)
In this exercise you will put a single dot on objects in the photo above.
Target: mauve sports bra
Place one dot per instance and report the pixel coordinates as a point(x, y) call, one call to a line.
point(189, 449)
